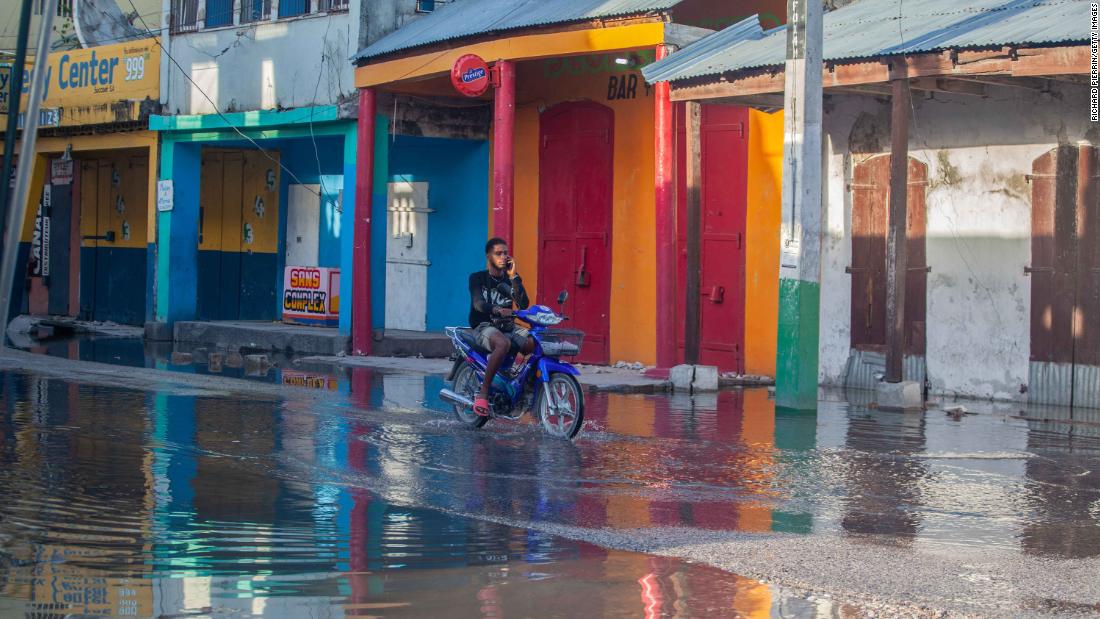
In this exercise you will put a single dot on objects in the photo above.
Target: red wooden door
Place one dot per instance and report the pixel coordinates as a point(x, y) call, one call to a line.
point(575, 184)
point(724, 148)
point(870, 222)
point(1053, 260)
point(1088, 250)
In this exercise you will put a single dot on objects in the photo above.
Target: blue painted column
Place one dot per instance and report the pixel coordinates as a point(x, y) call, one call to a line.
point(347, 226)
point(178, 233)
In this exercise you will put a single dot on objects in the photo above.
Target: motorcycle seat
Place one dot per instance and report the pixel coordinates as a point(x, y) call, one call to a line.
point(469, 337)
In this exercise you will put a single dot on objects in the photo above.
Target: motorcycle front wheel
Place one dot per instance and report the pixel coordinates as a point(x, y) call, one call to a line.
point(564, 415)
point(467, 384)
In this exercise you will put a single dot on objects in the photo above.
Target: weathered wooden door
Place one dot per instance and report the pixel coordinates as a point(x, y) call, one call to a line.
point(575, 188)
point(870, 224)
point(113, 220)
point(724, 153)
point(1087, 380)
point(238, 235)
point(1065, 278)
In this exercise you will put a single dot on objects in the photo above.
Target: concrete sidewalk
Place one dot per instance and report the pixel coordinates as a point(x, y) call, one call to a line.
point(592, 379)
point(299, 339)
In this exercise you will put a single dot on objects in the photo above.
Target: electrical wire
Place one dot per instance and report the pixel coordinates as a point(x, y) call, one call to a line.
point(215, 105)
point(313, 106)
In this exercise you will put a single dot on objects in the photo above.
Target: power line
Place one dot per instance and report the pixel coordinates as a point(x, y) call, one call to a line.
point(215, 105)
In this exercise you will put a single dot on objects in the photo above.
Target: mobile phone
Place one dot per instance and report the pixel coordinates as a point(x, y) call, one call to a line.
point(508, 263)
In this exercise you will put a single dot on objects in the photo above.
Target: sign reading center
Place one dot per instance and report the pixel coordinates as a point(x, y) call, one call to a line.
point(470, 75)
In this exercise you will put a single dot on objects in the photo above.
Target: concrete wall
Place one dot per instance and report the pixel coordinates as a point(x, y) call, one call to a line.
point(290, 63)
point(381, 17)
point(978, 151)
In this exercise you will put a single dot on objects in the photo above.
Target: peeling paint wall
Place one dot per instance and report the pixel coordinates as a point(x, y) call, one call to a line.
point(978, 151)
point(290, 63)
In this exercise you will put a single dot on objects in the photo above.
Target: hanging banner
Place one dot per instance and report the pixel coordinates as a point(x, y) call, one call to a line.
point(40, 242)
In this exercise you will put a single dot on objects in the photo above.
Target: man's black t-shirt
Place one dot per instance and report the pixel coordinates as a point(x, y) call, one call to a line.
point(487, 292)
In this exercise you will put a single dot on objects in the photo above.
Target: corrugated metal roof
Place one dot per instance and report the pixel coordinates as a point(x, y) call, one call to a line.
point(874, 28)
point(705, 56)
point(463, 18)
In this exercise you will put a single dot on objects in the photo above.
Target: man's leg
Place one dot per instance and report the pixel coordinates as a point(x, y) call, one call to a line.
point(499, 345)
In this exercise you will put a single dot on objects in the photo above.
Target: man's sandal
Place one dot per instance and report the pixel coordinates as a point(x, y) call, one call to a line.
point(481, 407)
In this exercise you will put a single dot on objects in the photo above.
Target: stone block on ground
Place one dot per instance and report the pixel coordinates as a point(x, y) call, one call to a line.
point(181, 358)
point(234, 360)
point(214, 362)
point(706, 378)
point(903, 396)
point(158, 331)
point(256, 365)
point(682, 376)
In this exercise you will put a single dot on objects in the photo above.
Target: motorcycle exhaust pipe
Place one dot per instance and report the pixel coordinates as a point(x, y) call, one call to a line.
point(450, 396)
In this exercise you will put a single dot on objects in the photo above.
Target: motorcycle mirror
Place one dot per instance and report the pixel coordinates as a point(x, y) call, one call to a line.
point(563, 296)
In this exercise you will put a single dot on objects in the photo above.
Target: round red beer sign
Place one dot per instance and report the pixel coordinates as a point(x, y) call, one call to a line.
point(470, 75)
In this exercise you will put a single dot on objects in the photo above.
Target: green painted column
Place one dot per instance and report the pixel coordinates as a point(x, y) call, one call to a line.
point(800, 260)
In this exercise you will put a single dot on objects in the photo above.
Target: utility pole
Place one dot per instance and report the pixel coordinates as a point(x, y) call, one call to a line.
point(15, 95)
point(18, 203)
point(800, 243)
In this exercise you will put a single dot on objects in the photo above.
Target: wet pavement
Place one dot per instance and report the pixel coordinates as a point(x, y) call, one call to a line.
point(365, 498)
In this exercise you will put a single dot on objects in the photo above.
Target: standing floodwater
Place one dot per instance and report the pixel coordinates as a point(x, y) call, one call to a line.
point(171, 500)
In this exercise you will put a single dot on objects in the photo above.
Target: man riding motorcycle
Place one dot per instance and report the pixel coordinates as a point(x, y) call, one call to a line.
point(494, 293)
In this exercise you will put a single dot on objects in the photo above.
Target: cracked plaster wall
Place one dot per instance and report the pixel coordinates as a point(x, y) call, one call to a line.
point(281, 65)
point(978, 151)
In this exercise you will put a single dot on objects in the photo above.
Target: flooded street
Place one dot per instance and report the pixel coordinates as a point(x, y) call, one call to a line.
point(356, 494)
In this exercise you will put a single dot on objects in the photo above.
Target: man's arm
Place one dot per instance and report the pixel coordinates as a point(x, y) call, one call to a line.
point(519, 293)
point(477, 300)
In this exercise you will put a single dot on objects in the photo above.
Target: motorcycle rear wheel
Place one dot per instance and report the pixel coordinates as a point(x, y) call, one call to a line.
point(467, 384)
point(564, 417)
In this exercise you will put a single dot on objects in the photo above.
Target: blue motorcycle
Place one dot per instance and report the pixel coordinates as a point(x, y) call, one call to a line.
point(543, 383)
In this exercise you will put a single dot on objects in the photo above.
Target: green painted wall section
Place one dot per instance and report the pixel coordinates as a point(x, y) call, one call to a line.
point(260, 118)
point(799, 329)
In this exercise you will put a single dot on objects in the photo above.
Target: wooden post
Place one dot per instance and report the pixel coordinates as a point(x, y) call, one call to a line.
point(897, 239)
point(693, 172)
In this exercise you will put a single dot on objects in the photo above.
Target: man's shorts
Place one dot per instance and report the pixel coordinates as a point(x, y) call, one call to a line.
point(518, 337)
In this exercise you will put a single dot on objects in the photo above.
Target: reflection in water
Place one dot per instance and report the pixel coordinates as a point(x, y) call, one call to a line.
point(118, 502)
point(127, 504)
point(1064, 483)
point(884, 479)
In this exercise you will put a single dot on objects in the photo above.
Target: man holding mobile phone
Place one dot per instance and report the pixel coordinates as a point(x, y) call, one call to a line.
point(494, 294)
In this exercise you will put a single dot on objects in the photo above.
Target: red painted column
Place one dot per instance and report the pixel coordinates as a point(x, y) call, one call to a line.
point(504, 129)
point(361, 330)
point(665, 205)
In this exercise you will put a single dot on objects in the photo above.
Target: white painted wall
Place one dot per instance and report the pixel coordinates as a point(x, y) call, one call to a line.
point(264, 66)
point(978, 151)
